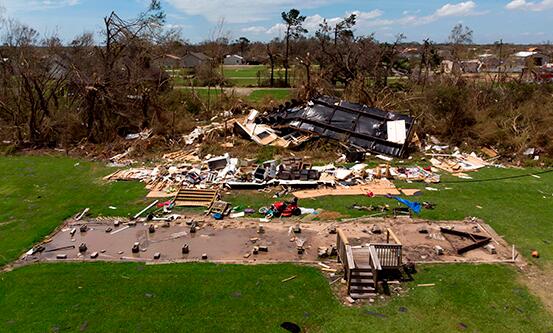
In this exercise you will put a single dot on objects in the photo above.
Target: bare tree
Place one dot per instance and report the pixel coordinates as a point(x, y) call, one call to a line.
point(459, 37)
point(272, 53)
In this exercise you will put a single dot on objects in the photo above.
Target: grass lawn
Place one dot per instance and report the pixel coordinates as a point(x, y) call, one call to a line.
point(106, 297)
point(255, 96)
point(38, 193)
point(277, 94)
point(203, 93)
point(244, 81)
point(243, 71)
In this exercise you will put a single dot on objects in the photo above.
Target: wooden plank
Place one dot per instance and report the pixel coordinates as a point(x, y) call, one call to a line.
point(375, 259)
point(394, 236)
point(349, 258)
point(410, 191)
point(377, 187)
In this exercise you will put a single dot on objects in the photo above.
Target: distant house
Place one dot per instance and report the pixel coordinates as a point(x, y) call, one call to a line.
point(57, 66)
point(471, 66)
point(169, 61)
point(234, 59)
point(490, 62)
point(194, 59)
point(445, 54)
point(410, 53)
point(448, 67)
point(526, 58)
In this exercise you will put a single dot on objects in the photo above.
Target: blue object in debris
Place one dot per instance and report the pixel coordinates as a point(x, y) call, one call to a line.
point(218, 216)
point(414, 206)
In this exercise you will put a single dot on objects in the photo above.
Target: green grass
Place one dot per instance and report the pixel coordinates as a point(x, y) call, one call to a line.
point(249, 71)
point(244, 81)
point(255, 96)
point(515, 208)
point(277, 94)
point(39, 193)
point(204, 93)
point(106, 297)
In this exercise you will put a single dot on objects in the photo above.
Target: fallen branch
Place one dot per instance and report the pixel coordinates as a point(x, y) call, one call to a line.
point(288, 279)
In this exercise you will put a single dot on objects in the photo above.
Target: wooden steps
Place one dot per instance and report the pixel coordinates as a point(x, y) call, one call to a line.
point(361, 283)
point(195, 197)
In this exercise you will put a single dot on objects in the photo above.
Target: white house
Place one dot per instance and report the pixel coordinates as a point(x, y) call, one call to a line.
point(234, 59)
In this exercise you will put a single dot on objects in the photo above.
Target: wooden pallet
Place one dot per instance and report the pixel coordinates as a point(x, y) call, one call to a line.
point(190, 197)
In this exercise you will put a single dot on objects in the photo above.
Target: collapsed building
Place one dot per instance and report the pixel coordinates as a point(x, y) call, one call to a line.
point(361, 127)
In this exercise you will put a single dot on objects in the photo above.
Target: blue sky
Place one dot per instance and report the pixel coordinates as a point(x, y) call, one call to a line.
point(520, 21)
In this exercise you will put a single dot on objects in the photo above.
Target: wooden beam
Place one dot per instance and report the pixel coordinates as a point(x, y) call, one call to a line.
point(374, 258)
point(394, 236)
point(342, 236)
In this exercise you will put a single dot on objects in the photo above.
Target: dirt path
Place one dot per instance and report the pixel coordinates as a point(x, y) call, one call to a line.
point(539, 281)
point(240, 91)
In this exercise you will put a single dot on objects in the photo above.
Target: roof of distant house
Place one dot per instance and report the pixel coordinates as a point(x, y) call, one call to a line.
point(199, 55)
point(172, 56)
point(525, 54)
point(234, 55)
point(410, 50)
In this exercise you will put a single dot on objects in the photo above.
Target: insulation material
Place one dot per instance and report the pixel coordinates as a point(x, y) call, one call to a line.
point(396, 131)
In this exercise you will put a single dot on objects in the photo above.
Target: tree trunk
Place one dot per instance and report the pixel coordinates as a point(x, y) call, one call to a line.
point(145, 110)
point(286, 56)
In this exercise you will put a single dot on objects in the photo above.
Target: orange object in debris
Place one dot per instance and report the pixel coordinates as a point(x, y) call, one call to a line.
point(535, 254)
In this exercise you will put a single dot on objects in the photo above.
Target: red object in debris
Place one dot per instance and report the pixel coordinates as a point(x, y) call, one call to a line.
point(285, 209)
point(163, 204)
point(428, 168)
point(370, 194)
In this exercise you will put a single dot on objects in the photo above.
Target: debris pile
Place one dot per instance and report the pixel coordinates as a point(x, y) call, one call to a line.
point(458, 164)
point(219, 172)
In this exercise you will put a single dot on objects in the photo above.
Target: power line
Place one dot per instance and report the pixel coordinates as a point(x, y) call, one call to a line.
point(497, 179)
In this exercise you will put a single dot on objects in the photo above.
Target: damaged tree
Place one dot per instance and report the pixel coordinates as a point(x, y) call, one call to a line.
point(54, 95)
point(294, 29)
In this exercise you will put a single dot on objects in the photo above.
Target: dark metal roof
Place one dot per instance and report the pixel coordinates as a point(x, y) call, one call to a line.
point(357, 125)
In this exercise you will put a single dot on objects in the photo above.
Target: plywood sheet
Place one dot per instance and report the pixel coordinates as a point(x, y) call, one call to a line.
point(379, 187)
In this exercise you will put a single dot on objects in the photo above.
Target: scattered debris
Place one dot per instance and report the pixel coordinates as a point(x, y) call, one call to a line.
point(475, 241)
point(288, 279)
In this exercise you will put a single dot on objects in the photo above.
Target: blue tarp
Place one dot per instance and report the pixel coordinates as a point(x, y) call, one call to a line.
point(414, 206)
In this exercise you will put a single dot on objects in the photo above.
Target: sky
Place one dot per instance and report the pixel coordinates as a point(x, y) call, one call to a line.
point(516, 21)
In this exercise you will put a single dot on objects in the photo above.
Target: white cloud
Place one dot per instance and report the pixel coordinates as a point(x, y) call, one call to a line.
point(530, 5)
point(33, 5)
point(373, 19)
point(242, 11)
point(460, 9)
point(312, 23)
point(254, 30)
point(362, 16)
point(466, 8)
point(276, 29)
